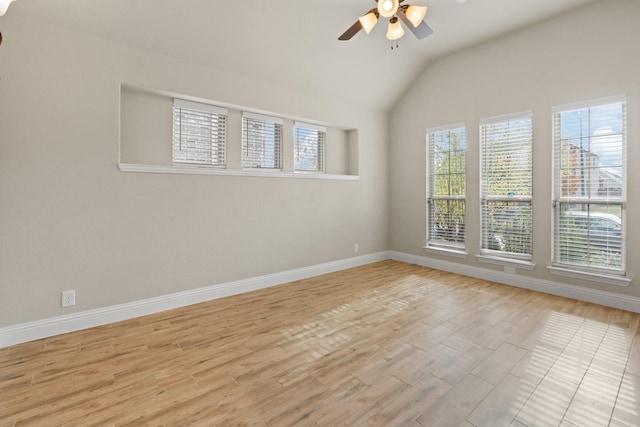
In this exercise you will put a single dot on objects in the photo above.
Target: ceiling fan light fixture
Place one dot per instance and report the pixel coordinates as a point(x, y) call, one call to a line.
point(4, 5)
point(368, 21)
point(395, 31)
point(388, 8)
point(394, 10)
point(416, 14)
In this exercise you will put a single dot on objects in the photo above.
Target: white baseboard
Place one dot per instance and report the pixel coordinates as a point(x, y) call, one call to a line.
point(45, 328)
point(609, 299)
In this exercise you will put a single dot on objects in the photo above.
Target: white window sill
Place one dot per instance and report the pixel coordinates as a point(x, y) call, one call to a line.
point(261, 170)
point(459, 253)
point(203, 170)
point(507, 262)
point(609, 279)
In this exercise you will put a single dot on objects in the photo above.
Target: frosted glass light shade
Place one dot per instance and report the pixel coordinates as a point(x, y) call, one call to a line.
point(395, 31)
point(416, 14)
point(368, 21)
point(388, 8)
point(4, 5)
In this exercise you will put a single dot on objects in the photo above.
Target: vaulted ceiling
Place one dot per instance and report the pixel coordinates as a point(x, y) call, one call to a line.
point(294, 43)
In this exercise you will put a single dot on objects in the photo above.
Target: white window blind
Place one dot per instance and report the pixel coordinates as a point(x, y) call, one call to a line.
point(446, 184)
point(590, 185)
point(308, 147)
point(199, 133)
point(261, 141)
point(506, 185)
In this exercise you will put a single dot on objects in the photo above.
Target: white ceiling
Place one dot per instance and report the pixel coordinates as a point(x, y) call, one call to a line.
point(294, 43)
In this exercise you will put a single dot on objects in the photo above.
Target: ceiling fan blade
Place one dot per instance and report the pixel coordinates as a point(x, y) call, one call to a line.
point(351, 31)
point(421, 31)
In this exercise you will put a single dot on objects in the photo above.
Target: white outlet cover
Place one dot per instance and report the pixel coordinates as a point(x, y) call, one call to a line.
point(68, 298)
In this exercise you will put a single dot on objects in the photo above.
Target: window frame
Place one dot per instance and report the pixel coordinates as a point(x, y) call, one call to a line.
point(277, 135)
point(431, 198)
point(564, 266)
point(487, 253)
point(321, 141)
point(217, 127)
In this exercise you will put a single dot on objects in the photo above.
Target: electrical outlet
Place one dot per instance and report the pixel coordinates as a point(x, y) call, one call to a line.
point(355, 248)
point(69, 298)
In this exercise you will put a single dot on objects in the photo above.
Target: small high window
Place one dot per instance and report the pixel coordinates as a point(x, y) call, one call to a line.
point(309, 143)
point(199, 133)
point(261, 141)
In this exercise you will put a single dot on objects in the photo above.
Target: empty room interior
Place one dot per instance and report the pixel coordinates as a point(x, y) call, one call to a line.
point(319, 213)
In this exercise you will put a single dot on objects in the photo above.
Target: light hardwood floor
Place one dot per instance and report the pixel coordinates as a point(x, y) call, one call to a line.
point(387, 344)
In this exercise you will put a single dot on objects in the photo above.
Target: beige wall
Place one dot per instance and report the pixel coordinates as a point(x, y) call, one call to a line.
point(69, 219)
point(584, 55)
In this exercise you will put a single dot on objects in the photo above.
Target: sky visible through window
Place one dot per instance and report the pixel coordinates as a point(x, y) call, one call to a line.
point(597, 130)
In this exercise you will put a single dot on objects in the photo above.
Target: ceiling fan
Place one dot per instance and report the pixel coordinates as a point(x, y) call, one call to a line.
point(411, 16)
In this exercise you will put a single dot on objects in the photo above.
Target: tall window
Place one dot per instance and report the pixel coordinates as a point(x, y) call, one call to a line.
point(261, 141)
point(199, 133)
point(308, 147)
point(446, 186)
point(590, 184)
point(506, 185)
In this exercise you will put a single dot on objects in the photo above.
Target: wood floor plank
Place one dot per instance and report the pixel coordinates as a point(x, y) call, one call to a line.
point(536, 363)
point(454, 407)
point(462, 363)
point(385, 344)
point(363, 402)
point(405, 408)
point(498, 365)
point(633, 364)
point(548, 403)
point(627, 407)
point(593, 402)
point(502, 404)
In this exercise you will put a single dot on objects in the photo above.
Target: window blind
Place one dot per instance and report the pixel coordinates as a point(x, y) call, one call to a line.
point(199, 133)
point(590, 185)
point(261, 141)
point(506, 185)
point(446, 184)
point(309, 143)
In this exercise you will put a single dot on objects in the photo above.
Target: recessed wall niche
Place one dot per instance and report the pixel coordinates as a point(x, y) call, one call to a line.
point(146, 128)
